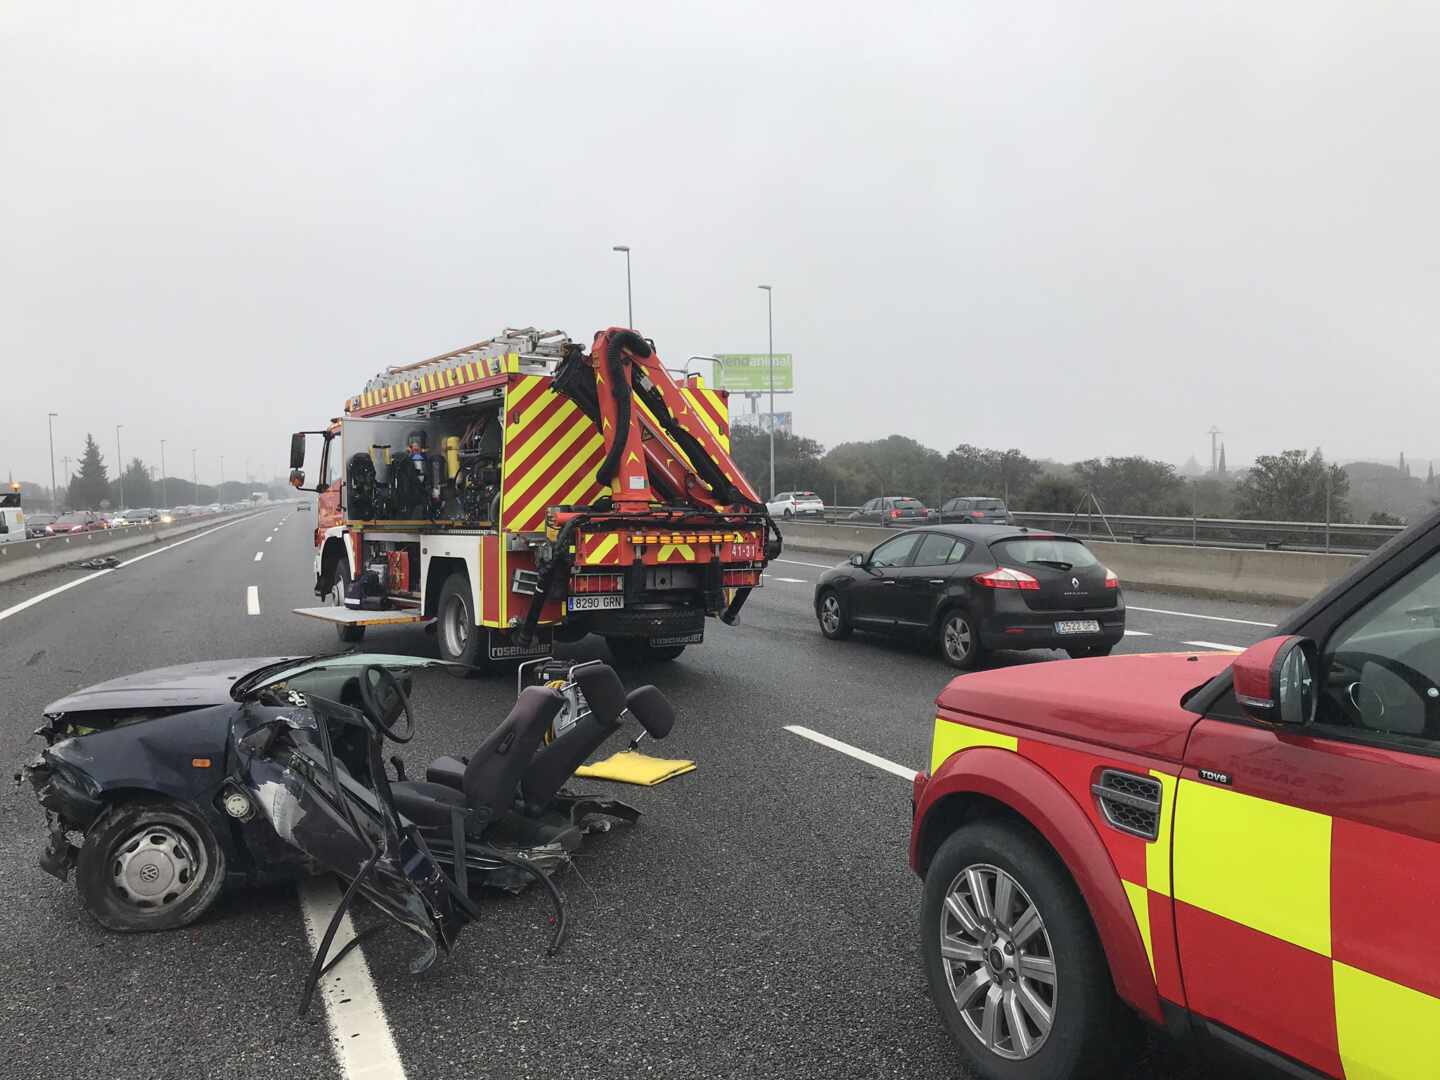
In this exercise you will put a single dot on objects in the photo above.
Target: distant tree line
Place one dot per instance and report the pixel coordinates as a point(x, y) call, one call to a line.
point(91, 487)
point(1293, 485)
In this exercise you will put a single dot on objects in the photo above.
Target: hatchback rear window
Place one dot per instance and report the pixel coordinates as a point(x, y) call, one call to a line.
point(806, 495)
point(989, 504)
point(1058, 553)
point(908, 504)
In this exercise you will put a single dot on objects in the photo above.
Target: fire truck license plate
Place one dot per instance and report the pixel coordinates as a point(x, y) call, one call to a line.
point(597, 603)
point(1078, 626)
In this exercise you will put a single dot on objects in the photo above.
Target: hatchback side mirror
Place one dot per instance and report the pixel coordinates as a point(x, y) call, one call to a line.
point(1275, 680)
point(857, 560)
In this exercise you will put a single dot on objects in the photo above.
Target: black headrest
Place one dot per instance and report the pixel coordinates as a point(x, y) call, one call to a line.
point(603, 690)
point(536, 704)
point(652, 709)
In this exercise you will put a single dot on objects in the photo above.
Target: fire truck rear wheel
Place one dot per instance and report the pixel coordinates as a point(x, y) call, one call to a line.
point(638, 650)
point(338, 585)
point(460, 640)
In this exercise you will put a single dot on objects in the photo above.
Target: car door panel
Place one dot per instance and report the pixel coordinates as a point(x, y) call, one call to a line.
point(922, 584)
point(1318, 866)
point(875, 595)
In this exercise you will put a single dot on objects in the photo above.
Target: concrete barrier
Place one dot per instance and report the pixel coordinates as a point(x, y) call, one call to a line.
point(1230, 573)
point(21, 558)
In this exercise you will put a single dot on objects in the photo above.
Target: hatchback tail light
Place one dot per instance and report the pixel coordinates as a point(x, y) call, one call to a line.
point(894, 513)
point(1111, 581)
point(977, 514)
point(1006, 578)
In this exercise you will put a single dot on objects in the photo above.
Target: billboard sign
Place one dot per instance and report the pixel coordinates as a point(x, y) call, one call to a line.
point(749, 373)
point(761, 421)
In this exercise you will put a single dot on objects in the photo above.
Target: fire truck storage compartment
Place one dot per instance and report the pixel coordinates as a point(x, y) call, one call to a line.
point(442, 468)
point(396, 563)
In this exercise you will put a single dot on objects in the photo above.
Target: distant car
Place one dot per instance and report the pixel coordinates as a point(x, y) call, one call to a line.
point(36, 524)
point(214, 508)
point(974, 509)
point(973, 588)
point(136, 516)
point(895, 511)
point(79, 521)
point(302, 506)
point(796, 504)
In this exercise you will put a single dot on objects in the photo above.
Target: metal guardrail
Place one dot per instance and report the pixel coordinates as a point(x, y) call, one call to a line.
point(1346, 539)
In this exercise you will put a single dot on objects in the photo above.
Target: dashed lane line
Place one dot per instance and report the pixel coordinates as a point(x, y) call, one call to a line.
point(1138, 633)
point(359, 1032)
point(252, 600)
point(15, 609)
point(268, 539)
point(795, 562)
point(259, 555)
point(789, 580)
point(852, 751)
point(1213, 645)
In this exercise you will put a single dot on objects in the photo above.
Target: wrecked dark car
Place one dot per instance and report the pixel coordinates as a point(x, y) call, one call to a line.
point(161, 787)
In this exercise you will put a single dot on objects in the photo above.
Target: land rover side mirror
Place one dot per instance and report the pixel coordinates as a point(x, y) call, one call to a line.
point(1275, 680)
point(297, 453)
point(857, 560)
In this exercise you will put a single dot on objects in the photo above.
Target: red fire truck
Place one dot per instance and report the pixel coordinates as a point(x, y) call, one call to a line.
point(521, 490)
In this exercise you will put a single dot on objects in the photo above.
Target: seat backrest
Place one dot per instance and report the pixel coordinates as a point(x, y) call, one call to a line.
point(493, 774)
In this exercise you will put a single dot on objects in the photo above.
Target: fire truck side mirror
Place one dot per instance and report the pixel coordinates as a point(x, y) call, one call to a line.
point(297, 478)
point(297, 453)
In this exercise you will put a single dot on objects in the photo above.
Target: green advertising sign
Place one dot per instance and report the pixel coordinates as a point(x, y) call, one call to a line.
point(750, 372)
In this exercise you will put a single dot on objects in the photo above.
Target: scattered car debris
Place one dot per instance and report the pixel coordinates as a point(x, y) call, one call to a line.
point(100, 562)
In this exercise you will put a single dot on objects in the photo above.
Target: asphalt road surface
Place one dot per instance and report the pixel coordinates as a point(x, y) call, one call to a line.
point(759, 921)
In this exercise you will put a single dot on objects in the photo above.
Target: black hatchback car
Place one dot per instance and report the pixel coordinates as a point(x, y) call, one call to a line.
point(973, 588)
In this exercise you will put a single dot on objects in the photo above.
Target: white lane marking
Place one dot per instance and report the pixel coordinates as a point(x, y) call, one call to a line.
point(267, 539)
point(853, 751)
point(252, 600)
point(791, 580)
point(1138, 633)
point(1193, 615)
point(259, 555)
point(359, 1033)
point(1213, 645)
point(816, 565)
point(15, 609)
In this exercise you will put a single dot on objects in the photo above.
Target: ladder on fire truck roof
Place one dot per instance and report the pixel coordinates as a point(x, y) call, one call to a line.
point(533, 351)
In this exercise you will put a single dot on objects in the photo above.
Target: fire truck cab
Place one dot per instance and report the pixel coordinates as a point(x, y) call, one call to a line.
point(520, 491)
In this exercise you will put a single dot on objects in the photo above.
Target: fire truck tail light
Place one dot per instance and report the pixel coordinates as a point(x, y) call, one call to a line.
point(742, 578)
point(1006, 578)
point(597, 583)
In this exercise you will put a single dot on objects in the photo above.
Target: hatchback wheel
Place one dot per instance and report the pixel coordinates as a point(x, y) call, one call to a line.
point(959, 640)
point(1012, 959)
point(149, 866)
point(831, 613)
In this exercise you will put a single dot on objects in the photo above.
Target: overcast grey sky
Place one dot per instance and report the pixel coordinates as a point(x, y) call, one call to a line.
point(1080, 229)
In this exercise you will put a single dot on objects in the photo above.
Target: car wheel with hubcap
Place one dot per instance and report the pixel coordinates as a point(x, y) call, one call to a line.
point(1013, 961)
point(339, 584)
point(959, 641)
point(149, 866)
point(831, 612)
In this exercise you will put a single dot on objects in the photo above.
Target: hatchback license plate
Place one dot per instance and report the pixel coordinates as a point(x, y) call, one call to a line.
point(1077, 626)
point(605, 602)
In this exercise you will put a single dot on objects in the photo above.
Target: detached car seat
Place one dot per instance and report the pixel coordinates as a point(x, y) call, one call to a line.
point(491, 776)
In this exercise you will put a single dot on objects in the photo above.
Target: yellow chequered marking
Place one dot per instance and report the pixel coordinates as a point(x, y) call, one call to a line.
point(1385, 1030)
point(950, 738)
point(571, 444)
point(1157, 851)
point(604, 547)
point(1262, 864)
point(1139, 898)
point(546, 496)
point(685, 551)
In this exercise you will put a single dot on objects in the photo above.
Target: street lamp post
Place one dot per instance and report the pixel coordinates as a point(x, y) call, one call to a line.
point(220, 495)
point(120, 465)
point(770, 324)
point(629, 299)
point(54, 495)
point(164, 491)
point(194, 476)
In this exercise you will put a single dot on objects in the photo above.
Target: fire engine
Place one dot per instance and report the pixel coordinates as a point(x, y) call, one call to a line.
point(520, 491)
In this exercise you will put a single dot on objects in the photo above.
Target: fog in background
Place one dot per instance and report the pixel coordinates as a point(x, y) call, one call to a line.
point(1079, 229)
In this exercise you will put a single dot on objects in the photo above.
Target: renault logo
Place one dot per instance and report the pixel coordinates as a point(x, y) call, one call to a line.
point(1074, 582)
